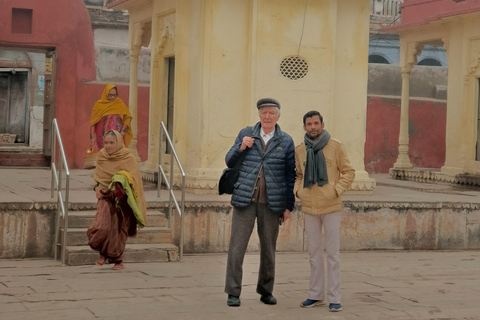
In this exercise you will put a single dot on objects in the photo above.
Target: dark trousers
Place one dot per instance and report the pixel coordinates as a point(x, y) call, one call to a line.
point(243, 221)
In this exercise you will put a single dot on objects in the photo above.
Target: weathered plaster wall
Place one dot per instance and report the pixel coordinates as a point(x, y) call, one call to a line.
point(427, 130)
point(112, 58)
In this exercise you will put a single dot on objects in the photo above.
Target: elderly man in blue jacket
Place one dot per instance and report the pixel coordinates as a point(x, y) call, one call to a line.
point(263, 191)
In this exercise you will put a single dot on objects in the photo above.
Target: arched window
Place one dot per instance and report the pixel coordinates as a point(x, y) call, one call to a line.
point(375, 58)
point(430, 62)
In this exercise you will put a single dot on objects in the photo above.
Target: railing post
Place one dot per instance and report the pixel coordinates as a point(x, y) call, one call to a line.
point(52, 160)
point(182, 218)
point(65, 217)
point(170, 204)
point(159, 179)
point(172, 198)
point(62, 204)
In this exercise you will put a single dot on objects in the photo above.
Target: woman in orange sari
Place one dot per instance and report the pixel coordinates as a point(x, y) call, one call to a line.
point(109, 113)
point(121, 202)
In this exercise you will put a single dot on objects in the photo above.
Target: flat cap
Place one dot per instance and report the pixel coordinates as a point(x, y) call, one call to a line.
point(268, 102)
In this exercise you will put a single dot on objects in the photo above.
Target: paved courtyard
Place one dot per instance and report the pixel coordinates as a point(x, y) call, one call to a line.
point(375, 285)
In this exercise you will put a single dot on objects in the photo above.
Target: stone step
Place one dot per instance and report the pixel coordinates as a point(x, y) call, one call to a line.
point(83, 219)
point(161, 252)
point(147, 235)
point(17, 159)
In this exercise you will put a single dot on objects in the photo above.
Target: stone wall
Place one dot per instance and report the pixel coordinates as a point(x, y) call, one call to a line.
point(365, 226)
point(425, 82)
point(27, 230)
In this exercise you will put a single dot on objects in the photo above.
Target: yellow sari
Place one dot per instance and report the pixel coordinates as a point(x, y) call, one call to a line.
point(104, 107)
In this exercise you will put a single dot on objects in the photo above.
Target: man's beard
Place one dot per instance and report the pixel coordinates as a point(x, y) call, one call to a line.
point(314, 137)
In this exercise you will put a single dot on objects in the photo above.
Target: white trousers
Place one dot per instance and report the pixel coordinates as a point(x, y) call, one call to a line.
point(331, 226)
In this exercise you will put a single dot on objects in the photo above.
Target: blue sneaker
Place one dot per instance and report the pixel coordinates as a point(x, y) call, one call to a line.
point(309, 303)
point(334, 307)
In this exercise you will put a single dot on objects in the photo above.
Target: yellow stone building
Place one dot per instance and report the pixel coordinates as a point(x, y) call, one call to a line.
point(455, 25)
point(213, 59)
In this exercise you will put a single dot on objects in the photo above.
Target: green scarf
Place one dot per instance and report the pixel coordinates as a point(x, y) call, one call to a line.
point(315, 165)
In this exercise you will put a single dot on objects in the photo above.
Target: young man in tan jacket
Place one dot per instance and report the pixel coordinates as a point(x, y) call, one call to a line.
point(323, 174)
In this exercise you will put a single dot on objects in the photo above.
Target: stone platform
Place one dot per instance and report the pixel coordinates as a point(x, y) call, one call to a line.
point(400, 215)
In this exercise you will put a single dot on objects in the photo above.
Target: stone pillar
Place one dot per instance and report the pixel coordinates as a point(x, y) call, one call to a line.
point(139, 36)
point(403, 160)
point(407, 60)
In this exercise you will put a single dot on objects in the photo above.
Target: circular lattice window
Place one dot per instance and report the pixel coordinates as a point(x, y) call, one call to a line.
point(294, 67)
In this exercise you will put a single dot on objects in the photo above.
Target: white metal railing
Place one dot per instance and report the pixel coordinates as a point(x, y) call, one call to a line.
point(62, 202)
point(385, 7)
point(169, 185)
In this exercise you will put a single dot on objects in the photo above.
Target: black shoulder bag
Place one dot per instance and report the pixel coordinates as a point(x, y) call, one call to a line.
point(230, 175)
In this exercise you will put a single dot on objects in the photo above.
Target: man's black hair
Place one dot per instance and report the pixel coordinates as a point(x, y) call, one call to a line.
point(311, 114)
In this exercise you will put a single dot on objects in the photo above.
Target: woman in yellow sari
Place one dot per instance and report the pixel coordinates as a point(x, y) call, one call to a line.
point(109, 113)
point(121, 202)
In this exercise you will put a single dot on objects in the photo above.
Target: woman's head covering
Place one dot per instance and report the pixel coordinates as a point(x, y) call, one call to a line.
point(120, 160)
point(105, 107)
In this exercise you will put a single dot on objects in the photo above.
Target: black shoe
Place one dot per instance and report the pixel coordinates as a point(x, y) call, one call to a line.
point(233, 301)
point(268, 299)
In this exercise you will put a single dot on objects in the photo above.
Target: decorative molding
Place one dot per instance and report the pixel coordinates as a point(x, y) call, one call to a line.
point(427, 176)
point(163, 205)
point(28, 206)
point(369, 205)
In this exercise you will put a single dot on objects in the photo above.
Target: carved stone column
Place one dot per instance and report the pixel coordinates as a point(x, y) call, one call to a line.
point(140, 36)
point(403, 160)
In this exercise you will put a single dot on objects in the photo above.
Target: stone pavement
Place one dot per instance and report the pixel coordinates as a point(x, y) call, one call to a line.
point(375, 285)
point(29, 185)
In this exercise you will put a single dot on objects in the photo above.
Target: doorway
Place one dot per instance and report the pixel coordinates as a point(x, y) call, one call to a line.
point(170, 97)
point(14, 111)
point(477, 155)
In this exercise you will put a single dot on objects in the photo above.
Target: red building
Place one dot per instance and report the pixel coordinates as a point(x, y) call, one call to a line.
point(47, 70)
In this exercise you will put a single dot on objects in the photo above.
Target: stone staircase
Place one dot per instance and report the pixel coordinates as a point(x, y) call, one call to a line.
point(152, 243)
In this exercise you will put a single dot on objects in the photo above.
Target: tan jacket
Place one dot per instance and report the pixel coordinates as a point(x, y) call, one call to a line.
point(324, 199)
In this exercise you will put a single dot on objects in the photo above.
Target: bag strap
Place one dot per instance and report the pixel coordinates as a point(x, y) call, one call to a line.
point(244, 153)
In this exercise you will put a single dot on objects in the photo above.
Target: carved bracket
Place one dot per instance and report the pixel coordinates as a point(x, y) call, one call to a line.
point(142, 32)
point(414, 49)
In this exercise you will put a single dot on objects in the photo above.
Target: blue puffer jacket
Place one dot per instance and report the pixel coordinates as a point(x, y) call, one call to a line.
point(278, 165)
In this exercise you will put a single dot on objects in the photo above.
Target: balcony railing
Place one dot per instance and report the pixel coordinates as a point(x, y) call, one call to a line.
point(388, 8)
